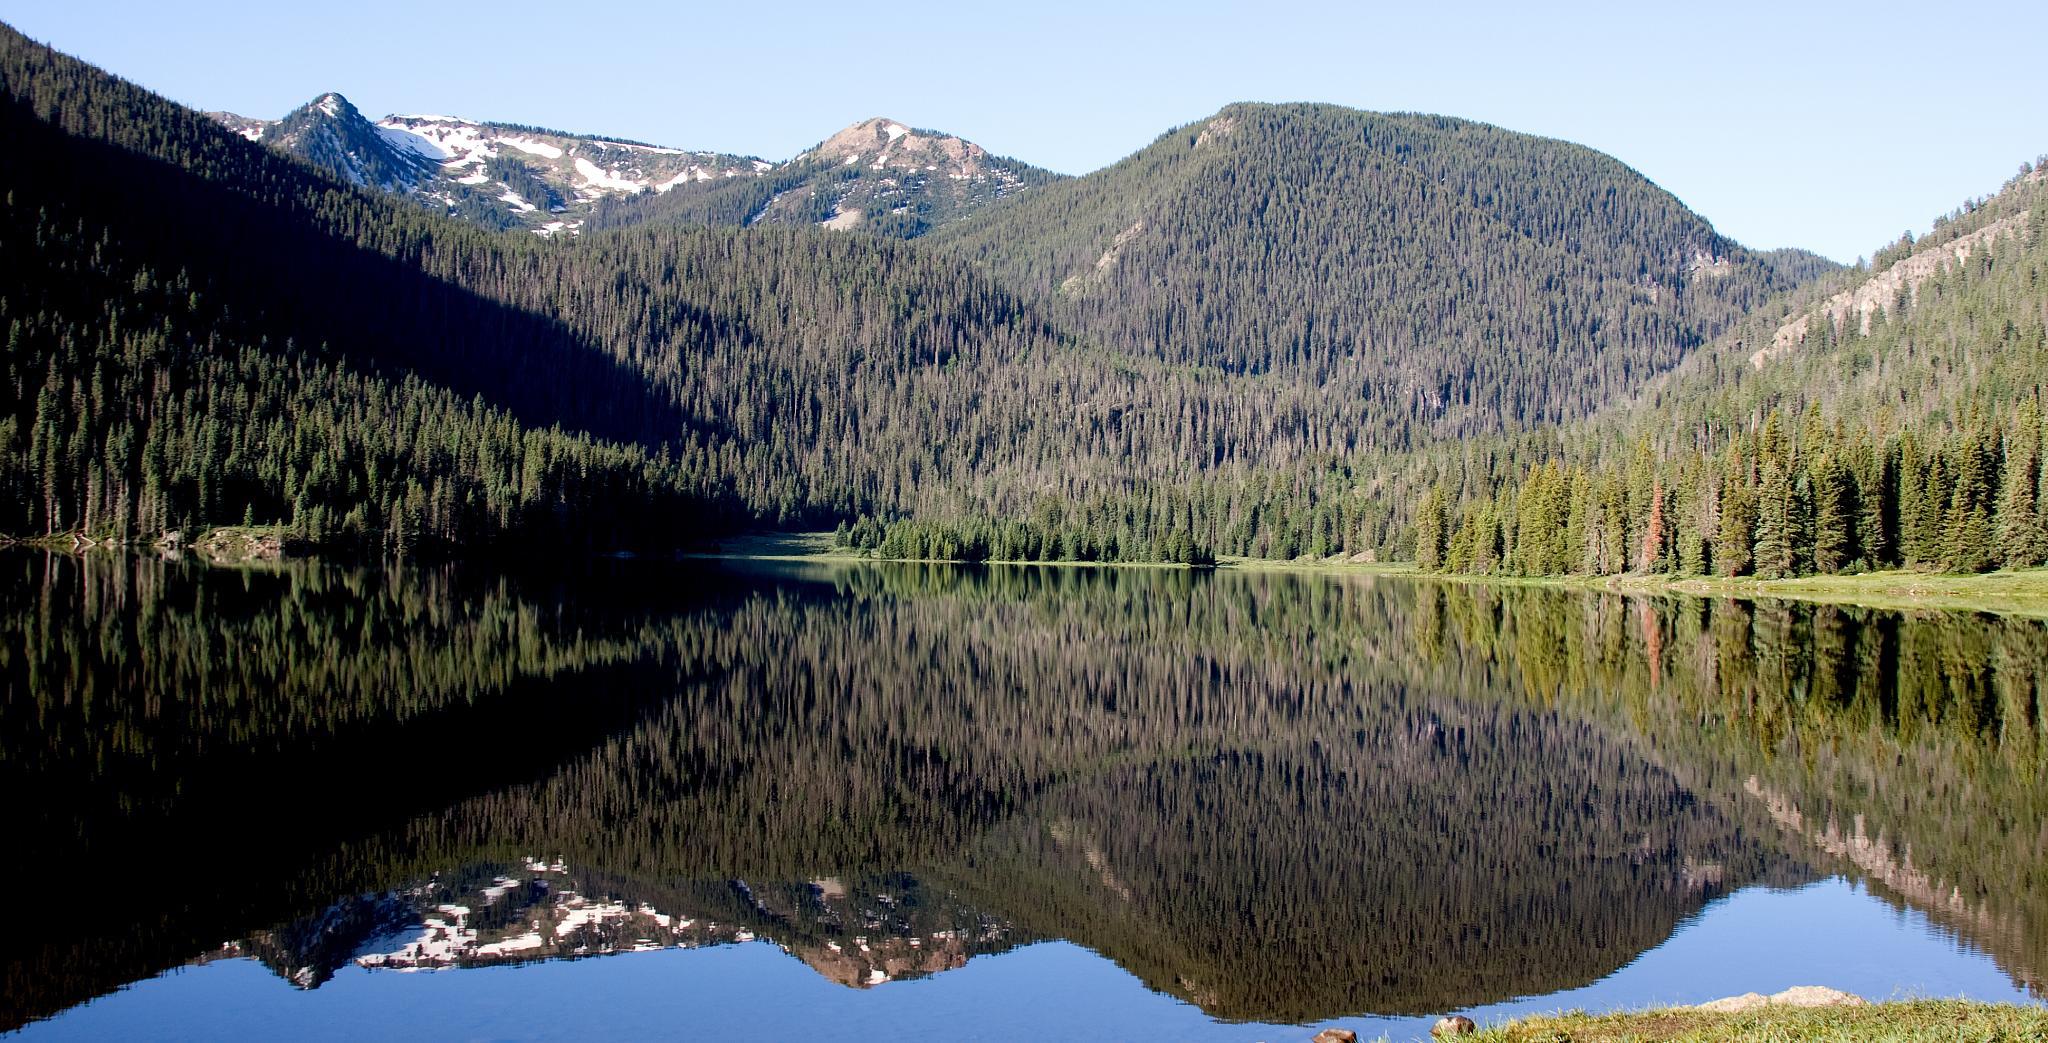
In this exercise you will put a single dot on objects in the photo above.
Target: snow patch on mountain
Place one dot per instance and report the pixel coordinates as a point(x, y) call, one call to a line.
point(598, 177)
point(413, 143)
point(245, 126)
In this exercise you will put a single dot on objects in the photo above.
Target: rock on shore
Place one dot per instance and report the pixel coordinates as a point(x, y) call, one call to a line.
point(1796, 996)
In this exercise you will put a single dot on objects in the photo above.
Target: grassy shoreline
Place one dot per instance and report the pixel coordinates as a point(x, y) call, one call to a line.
point(1909, 1021)
point(2021, 592)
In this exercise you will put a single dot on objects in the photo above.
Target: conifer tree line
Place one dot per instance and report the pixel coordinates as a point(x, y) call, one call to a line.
point(1774, 505)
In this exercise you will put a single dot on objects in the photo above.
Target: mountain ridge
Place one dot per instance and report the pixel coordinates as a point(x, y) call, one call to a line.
point(512, 175)
point(1400, 255)
point(502, 175)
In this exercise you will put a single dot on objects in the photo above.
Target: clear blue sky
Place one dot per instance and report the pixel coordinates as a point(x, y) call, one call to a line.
point(1832, 126)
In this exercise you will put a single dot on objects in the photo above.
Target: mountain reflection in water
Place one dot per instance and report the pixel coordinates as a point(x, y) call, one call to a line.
point(1282, 798)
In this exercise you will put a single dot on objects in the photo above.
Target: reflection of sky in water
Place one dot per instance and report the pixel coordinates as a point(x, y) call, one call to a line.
point(1830, 933)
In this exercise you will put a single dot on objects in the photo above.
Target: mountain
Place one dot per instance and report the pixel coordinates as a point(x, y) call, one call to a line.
point(877, 175)
point(1884, 417)
point(392, 376)
point(1446, 277)
point(496, 174)
point(332, 134)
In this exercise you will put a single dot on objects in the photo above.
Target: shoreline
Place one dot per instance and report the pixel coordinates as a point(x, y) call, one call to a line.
point(2022, 593)
point(1896, 1021)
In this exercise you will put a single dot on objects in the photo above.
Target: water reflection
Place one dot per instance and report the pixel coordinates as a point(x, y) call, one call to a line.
point(1282, 798)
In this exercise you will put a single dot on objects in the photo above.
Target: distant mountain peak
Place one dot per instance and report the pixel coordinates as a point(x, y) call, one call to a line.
point(887, 144)
point(880, 175)
point(329, 132)
point(503, 175)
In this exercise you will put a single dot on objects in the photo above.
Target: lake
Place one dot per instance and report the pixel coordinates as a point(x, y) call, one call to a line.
point(724, 799)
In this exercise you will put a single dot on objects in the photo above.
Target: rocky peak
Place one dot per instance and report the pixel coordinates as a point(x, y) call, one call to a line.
point(334, 105)
point(330, 107)
point(329, 132)
point(885, 144)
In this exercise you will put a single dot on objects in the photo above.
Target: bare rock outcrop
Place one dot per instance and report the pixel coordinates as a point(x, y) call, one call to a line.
point(1881, 291)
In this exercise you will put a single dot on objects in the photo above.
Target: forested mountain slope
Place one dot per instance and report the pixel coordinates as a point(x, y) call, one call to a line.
point(1878, 417)
point(1892, 416)
point(199, 330)
point(209, 331)
point(1859, 344)
point(1442, 277)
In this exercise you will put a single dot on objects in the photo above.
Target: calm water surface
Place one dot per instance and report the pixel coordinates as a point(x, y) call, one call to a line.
point(714, 801)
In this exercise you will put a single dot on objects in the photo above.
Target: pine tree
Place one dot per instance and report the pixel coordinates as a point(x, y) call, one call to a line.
point(1966, 526)
point(1431, 530)
point(1968, 542)
point(1876, 506)
point(1834, 516)
point(2022, 541)
point(1774, 524)
point(1655, 553)
point(1800, 528)
point(1735, 531)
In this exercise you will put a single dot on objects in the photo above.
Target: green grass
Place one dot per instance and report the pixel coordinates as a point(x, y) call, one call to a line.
point(2017, 592)
point(2022, 592)
point(1915, 1021)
